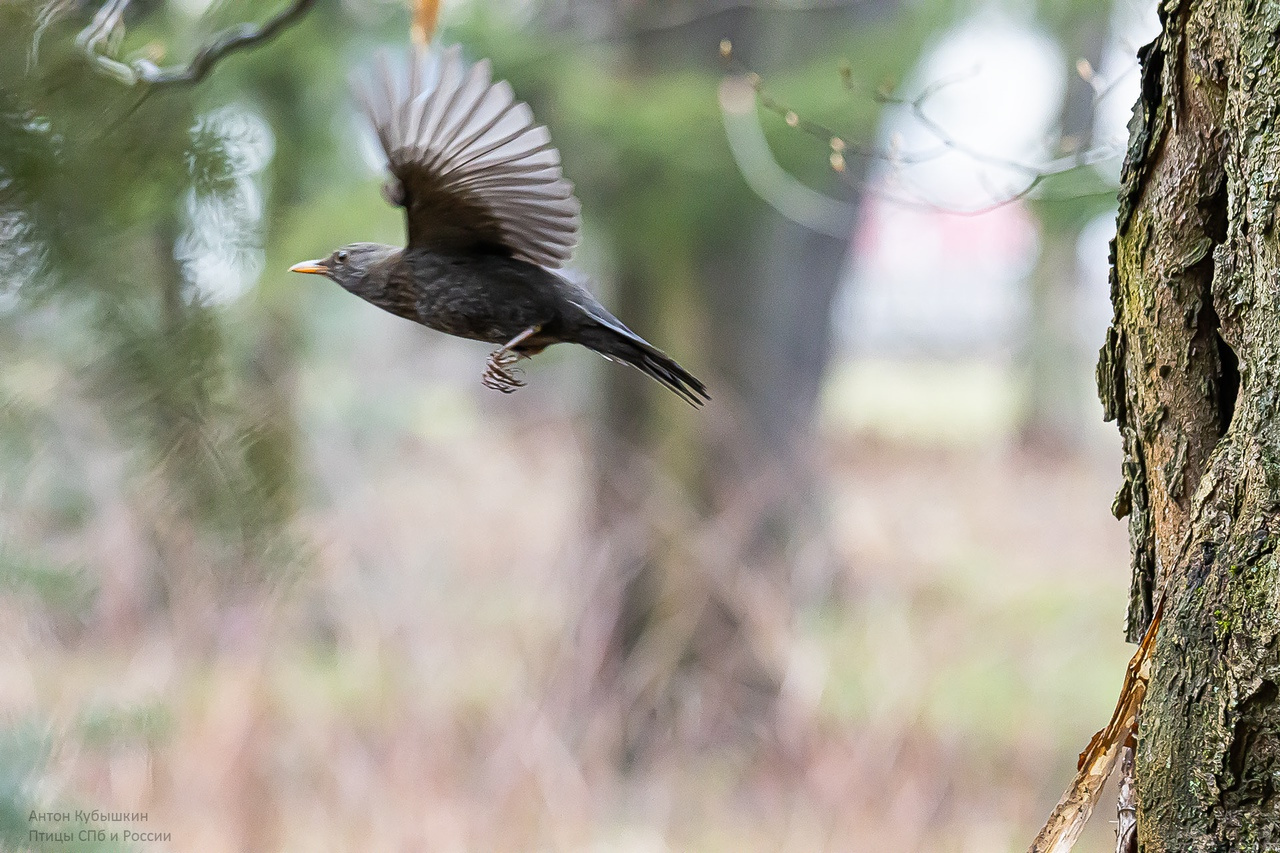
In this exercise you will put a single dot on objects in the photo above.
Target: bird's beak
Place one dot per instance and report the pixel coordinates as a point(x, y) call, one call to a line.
point(316, 267)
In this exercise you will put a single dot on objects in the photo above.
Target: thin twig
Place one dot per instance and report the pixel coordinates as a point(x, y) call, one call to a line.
point(106, 24)
point(1035, 175)
point(148, 73)
point(691, 13)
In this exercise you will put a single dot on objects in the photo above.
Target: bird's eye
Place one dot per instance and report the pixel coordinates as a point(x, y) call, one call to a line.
point(340, 257)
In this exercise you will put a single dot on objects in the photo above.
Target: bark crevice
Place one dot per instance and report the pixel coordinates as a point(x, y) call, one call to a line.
point(1191, 373)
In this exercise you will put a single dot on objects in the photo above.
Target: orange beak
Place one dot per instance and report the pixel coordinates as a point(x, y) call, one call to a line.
point(316, 267)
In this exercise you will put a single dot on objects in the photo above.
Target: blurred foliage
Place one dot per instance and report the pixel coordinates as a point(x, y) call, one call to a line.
point(105, 727)
point(95, 179)
point(140, 385)
point(24, 749)
point(646, 146)
point(1072, 199)
point(68, 590)
point(699, 265)
point(133, 384)
point(132, 222)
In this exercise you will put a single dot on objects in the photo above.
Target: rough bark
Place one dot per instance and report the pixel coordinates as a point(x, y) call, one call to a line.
point(1190, 372)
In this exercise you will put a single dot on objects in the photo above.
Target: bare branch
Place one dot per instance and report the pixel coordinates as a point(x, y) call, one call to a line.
point(690, 13)
point(762, 173)
point(1036, 175)
point(1101, 93)
point(48, 15)
point(107, 27)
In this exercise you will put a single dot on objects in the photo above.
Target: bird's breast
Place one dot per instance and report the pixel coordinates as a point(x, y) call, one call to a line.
point(481, 298)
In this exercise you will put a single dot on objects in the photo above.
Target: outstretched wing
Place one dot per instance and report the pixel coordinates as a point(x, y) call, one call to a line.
point(471, 168)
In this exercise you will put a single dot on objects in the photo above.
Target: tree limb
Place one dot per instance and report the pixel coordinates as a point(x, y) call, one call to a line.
point(146, 72)
point(1035, 175)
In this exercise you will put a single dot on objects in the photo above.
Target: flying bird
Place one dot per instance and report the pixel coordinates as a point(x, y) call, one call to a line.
point(490, 218)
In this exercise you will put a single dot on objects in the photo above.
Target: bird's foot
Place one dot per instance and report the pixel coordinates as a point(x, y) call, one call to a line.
point(499, 373)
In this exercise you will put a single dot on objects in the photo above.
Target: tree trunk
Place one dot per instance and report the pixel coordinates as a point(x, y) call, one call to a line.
point(1190, 371)
point(703, 627)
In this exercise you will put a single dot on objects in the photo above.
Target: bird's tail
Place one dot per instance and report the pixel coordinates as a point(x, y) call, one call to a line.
point(622, 345)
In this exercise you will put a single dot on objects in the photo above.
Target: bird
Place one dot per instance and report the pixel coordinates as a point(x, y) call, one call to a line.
point(490, 219)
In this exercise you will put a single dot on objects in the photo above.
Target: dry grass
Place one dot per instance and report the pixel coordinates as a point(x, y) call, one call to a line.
point(403, 694)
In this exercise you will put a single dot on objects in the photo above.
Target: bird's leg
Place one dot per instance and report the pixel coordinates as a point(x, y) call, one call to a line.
point(498, 373)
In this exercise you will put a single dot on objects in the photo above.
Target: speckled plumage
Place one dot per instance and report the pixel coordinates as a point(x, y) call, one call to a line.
point(488, 211)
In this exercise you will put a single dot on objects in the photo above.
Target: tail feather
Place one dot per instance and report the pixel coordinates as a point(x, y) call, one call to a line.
point(625, 346)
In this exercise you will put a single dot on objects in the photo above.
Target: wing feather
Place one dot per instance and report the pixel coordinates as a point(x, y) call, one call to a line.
point(473, 167)
point(460, 109)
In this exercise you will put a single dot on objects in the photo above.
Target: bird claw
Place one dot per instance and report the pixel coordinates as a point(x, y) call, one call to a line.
point(500, 375)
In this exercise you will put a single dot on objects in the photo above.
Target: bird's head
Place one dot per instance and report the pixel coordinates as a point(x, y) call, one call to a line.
point(349, 265)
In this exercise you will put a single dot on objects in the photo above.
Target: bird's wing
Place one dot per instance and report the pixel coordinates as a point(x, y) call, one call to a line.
point(473, 169)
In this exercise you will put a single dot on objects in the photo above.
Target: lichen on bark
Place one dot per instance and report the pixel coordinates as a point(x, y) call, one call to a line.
point(1189, 371)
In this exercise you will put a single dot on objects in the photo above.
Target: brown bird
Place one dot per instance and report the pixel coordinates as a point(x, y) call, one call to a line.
point(490, 216)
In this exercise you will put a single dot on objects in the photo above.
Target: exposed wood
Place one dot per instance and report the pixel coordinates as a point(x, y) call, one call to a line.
point(1072, 813)
point(1127, 802)
point(1190, 373)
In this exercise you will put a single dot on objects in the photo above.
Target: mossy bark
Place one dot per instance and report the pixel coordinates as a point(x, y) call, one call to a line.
point(1191, 372)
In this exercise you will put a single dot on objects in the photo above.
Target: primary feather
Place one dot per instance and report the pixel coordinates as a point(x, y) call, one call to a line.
point(474, 170)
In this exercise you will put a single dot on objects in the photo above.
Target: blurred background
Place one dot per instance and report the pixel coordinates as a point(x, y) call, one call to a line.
point(277, 572)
